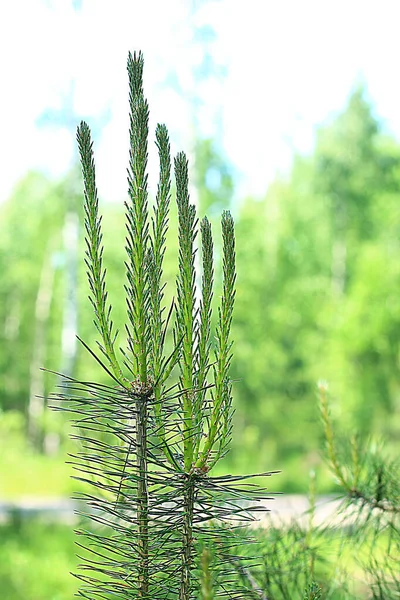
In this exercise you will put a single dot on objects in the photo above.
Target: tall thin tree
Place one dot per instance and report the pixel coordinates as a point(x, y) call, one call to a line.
point(150, 439)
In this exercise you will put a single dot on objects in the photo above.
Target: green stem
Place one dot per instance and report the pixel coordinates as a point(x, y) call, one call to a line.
point(206, 589)
point(187, 539)
point(142, 499)
point(329, 435)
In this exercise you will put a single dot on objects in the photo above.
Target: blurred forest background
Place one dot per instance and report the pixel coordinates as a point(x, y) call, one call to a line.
point(242, 88)
point(317, 298)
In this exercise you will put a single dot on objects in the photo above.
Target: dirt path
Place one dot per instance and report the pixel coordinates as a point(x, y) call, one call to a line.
point(282, 509)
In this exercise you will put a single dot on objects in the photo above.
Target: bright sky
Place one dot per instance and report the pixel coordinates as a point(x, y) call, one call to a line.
point(287, 64)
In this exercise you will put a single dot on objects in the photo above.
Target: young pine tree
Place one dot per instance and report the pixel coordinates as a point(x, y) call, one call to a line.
point(150, 439)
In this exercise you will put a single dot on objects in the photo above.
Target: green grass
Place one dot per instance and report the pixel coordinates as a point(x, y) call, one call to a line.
point(25, 472)
point(36, 559)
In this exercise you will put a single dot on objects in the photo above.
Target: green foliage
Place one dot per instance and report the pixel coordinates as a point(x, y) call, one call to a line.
point(322, 290)
point(313, 592)
point(35, 561)
point(24, 252)
point(353, 555)
point(323, 295)
point(317, 296)
point(369, 480)
point(206, 578)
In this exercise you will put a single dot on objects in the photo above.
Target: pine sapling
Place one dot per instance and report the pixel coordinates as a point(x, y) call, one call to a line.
point(150, 439)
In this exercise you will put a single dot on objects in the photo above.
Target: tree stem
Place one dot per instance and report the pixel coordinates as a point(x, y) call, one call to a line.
point(142, 498)
point(187, 539)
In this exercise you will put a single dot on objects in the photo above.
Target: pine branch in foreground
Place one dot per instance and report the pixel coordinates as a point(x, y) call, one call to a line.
point(370, 487)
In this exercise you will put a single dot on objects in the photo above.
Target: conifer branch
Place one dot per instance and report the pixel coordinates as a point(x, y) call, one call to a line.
point(329, 435)
point(367, 482)
point(220, 420)
point(186, 301)
point(137, 219)
point(156, 258)
point(94, 253)
point(313, 592)
point(206, 589)
point(204, 345)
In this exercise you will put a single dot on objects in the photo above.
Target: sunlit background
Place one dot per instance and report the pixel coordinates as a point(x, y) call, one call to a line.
point(256, 77)
point(289, 113)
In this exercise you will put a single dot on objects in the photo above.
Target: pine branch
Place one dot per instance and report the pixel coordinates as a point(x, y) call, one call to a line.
point(186, 302)
point(220, 421)
point(204, 345)
point(329, 435)
point(370, 484)
point(155, 262)
point(94, 253)
point(206, 584)
point(313, 592)
point(370, 480)
point(137, 219)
